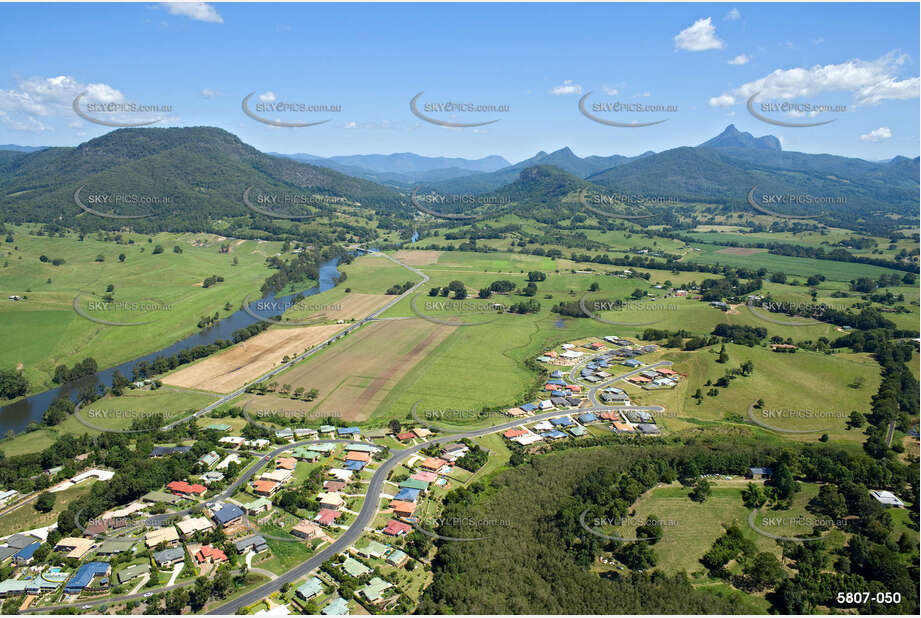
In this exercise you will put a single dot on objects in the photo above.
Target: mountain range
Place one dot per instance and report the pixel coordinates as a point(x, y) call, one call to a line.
point(204, 171)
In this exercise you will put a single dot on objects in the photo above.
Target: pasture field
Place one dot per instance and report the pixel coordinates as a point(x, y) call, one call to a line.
point(44, 331)
point(690, 528)
point(789, 384)
point(233, 367)
point(836, 271)
point(357, 373)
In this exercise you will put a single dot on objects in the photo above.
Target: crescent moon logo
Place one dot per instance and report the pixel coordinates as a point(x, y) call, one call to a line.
point(275, 123)
point(611, 123)
point(779, 123)
point(443, 123)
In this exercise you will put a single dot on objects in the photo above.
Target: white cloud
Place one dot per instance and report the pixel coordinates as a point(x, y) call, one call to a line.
point(209, 94)
point(351, 125)
point(818, 41)
point(642, 94)
point(199, 11)
point(267, 97)
point(46, 97)
point(740, 59)
point(567, 88)
point(733, 15)
point(869, 81)
point(724, 100)
point(877, 135)
point(481, 131)
point(699, 37)
point(610, 91)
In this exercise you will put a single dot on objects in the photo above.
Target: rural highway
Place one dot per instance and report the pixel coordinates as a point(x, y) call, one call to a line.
point(320, 346)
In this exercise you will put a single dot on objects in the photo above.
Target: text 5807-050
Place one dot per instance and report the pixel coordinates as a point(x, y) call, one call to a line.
point(859, 598)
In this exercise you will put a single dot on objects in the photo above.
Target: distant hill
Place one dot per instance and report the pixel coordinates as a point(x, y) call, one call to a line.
point(16, 148)
point(203, 170)
point(563, 159)
point(403, 169)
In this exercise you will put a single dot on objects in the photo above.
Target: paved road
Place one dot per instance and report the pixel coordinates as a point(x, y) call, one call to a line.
point(369, 507)
point(373, 316)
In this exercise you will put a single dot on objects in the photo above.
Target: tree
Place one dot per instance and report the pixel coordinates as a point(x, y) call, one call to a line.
point(121, 257)
point(594, 287)
point(701, 491)
point(856, 420)
point(12, 384)
point(45, 502)
point(724, 357)
point(753, 496)
point(158, 249)
point(764, 570)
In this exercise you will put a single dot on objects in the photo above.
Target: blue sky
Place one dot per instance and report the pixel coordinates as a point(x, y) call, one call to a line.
point(538, 59)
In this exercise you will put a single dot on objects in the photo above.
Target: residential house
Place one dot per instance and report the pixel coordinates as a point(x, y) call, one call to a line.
point(166, 535)
point(24, 555)
point(209, 460)
point(307, 530)
point(372, 550)
point(403, 509)
point(396, 528)
point(259, 505)
point(265, 488)
point(254, 543)
point(85, 576)
point(228, 515)
point(286, 463)
point(74, 547)
point(114, 547)
point(759, 473)
point(193, 525)
point(132, 572)
point(210, 555)
point(326, 517)
point(331, 500)
point(374, 591)
point(337, 607)
point(355, 568)
point(311, 588)
point(886, 498)
point(434, 464)
point(185, 489)
point(397, 558)
point(170, 556)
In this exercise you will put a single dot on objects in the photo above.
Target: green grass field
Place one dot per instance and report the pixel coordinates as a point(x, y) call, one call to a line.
point(115, 413)
point(43, 330)
point(27, 518)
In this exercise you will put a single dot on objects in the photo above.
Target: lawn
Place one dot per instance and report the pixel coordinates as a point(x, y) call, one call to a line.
point(285, 554)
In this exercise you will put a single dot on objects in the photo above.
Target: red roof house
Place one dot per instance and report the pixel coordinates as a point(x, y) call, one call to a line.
point(326, 516)
point(405, 436)
point(210, 554)
point(184, 488)
point(396, 528)
point(514, 433)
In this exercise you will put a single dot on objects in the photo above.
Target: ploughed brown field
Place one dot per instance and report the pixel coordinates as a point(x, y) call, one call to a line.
point(358, 372)
point(417, 258)
point(232, 368)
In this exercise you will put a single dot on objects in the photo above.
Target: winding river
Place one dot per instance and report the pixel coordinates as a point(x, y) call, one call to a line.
point(19, 414)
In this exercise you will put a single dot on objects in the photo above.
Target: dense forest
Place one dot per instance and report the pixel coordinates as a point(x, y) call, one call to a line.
point(537, 562)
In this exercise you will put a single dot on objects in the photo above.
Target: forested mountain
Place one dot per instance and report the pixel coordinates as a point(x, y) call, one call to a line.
point(202, 170)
